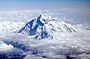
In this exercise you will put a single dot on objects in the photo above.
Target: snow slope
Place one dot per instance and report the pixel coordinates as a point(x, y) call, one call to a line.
point(8, 26)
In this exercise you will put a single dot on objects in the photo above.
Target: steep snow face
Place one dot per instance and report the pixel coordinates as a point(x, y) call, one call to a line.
point(44, 26)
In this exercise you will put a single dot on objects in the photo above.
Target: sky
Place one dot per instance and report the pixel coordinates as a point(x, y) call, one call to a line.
point(44, 4)
point(76, 9)
point(45, 0)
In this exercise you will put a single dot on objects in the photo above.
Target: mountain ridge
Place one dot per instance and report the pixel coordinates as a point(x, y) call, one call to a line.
point(43, 25)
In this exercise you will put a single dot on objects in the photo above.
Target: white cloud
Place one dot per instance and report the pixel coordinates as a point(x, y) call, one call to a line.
point(5, 48)
point(66, 19)
point(76, 10)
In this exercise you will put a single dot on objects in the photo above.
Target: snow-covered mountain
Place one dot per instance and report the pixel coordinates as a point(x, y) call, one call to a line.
point(44, 26)
point(69, 41)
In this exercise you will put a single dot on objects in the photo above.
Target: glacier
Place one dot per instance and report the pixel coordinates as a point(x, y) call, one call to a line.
point(44, 37)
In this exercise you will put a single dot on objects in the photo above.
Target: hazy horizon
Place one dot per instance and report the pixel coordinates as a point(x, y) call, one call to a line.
point(79, 10)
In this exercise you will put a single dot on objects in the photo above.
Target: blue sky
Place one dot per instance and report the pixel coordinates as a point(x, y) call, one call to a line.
point(44, 4)
point(44, 0)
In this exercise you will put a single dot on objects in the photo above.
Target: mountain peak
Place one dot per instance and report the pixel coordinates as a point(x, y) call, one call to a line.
point(44, 18)
point(44, 26)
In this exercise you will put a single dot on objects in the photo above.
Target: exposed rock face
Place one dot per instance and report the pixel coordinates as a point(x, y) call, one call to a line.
point(35, 28)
